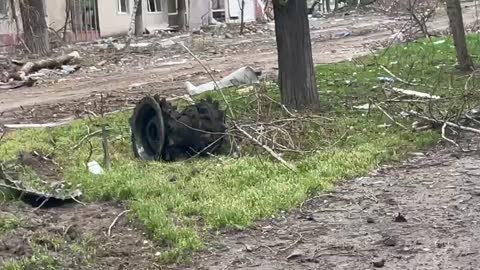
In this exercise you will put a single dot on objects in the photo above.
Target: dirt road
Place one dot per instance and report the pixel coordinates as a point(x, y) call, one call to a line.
point(422, 215)
point(334, 39)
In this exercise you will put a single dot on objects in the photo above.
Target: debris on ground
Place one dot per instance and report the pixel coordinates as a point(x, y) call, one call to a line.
point(400, 218)
point(242, 76)
point(379, 263)
point(36, 179)
point(161, 132)
point(95, 168)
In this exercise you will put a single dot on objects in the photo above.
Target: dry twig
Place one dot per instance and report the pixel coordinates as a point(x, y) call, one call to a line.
point(398, 78)
point(109, 232)
point(300, 237)
point(450, 124)
point(389, 116)
point(444, 136)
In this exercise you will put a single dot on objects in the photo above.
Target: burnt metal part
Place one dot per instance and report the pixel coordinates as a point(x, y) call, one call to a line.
point(161, 132)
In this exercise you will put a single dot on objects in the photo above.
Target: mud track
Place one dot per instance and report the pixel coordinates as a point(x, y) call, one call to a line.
point(423, 214)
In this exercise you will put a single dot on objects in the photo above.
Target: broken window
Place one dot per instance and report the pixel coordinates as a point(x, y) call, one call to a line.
point(154, 5)
point(3, 8)
point(123, 6)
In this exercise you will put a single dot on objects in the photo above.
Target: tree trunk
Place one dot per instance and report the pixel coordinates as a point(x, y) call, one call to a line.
point(139, 21)
point(182, 13)
point(327, 4)
point(242, 16)
point(298, 87)
point(133, 24)
point(13, 10)
point(455, 16)
point(35, 26)
point(336, 5)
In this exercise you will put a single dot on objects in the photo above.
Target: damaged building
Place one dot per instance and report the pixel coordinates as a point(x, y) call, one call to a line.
point(92, 19)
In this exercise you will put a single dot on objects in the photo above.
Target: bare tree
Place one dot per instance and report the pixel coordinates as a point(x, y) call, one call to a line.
point(455, 16)
point(242, 16)
point(139, 20)
point(35, 27)
point(298, 87)
point(133, 23)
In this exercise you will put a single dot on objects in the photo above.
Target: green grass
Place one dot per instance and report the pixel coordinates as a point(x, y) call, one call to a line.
point(234, 193)
point(53, 251)
point(38, 261)
point(8, 222)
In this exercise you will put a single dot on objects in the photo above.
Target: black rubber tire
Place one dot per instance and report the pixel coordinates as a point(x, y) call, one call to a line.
point(148, 130)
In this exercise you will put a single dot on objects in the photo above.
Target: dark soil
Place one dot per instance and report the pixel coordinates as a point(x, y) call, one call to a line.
point(76, 237)
point(423, 214)
point(43, 166)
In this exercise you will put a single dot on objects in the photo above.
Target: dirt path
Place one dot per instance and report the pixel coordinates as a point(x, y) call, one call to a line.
point(75, 238)
point(74, 96)
point(437, 195)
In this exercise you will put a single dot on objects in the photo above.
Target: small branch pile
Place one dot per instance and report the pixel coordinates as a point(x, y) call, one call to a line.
point(452, 116)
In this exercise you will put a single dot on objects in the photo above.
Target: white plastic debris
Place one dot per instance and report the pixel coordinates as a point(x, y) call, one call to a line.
point(386, 79)
point(167, 43)
point(365, 107)
point(439, 42)
point(242, 76)
point(413, 93)
point(95, 168)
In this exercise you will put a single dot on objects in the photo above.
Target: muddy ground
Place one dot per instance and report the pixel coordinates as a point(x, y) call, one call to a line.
point(124, 78)
point(76, 237)
point(423, 214)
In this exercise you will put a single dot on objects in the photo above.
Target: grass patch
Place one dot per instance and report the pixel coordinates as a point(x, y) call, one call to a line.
point(8, 222)
point(37, 261)
point(233, 193)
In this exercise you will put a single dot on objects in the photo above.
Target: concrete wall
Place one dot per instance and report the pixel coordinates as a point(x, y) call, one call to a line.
point(114, 23)
point(55, 12)
point(197, 9)
point(110, 20)
point(234, 11)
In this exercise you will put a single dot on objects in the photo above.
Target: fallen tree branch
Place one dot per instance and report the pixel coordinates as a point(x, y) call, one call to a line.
point(88, 136)
point(232, 115)
point(268, 149)
point(464, 128)
point(389, 116)
point(413, 93)
point(398, 78)
point(229, 108)
point(30, 67)
point(444, 136)
point(46, 125)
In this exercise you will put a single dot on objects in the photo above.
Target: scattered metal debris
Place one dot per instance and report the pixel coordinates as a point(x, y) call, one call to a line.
point(242, 76)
